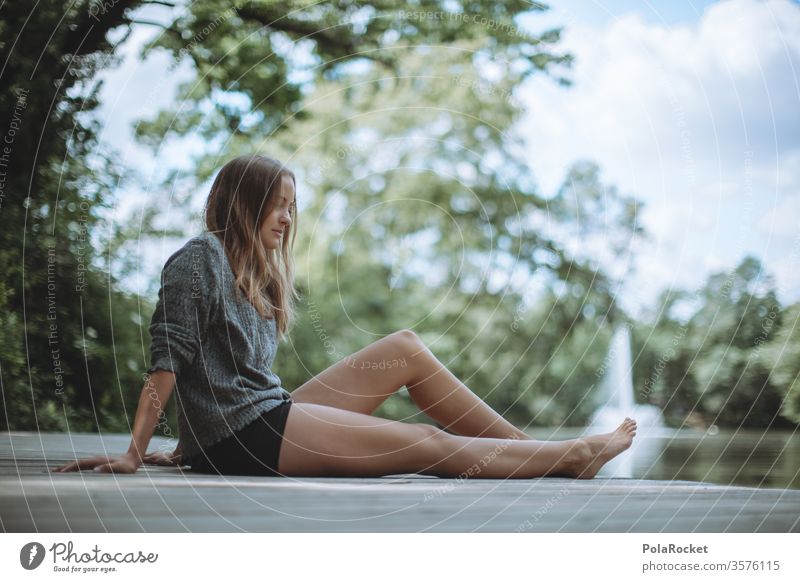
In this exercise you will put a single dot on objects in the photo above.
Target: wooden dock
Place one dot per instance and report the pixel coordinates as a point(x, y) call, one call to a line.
point(167, 499)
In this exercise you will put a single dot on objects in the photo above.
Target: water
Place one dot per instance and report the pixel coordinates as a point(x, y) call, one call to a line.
point(618, 402)
point(749, 458)
point(734, 457)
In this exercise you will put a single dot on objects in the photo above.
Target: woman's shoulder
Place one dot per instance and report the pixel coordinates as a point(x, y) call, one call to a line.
point(206, 242)
point(202, 251)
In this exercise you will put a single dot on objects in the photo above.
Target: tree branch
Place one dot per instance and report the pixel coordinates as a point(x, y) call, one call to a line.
point(148, 23)
point(328, 40)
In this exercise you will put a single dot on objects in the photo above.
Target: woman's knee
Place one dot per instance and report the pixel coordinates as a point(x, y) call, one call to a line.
point(432, 433)
point(410, 347)
point(408, 339)
point(439, 444)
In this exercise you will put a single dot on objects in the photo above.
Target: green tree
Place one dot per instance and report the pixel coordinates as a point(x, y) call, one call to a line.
point(256, 60)
point(711, 364)
point(662, 359)
point(740, 313)
point(64, 320)
point(781, 357)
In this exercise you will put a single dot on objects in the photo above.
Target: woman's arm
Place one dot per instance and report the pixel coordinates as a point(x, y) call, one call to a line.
point(155, 394)
point(163, 458)
point(152, 402)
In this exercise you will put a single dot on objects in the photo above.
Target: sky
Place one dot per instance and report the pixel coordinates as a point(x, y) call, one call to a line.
point(691, 107)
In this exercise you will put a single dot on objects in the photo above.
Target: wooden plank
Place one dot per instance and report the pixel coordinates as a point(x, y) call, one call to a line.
point(166, 499)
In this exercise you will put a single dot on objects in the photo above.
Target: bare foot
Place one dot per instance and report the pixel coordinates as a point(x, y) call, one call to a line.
point(604, 447)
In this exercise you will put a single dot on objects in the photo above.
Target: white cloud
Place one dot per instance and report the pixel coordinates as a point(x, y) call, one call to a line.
point(700, 121)
point(783, 220)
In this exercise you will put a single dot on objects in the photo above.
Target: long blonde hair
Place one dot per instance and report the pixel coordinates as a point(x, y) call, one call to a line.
point(243, 194)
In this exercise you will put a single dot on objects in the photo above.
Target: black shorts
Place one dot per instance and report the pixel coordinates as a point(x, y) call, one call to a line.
point(252, 450)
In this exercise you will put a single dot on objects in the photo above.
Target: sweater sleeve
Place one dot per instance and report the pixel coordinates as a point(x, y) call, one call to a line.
point(186, 303)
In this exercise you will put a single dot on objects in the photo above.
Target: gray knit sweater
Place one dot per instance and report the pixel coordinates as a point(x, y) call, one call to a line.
point(220, 349)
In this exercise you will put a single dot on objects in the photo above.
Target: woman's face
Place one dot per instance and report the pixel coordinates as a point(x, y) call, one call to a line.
point(276, 224)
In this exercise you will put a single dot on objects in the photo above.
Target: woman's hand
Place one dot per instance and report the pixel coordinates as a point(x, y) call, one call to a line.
point(164, 459)
point(103, 464)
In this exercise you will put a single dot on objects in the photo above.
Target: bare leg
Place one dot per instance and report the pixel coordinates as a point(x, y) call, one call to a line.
point(362, 381)
point(326, 441)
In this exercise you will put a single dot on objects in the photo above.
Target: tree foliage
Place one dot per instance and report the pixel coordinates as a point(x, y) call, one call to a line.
point(719, 363)
point(71, 337)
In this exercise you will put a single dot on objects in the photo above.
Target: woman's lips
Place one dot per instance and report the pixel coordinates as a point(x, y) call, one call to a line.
point(278, 232)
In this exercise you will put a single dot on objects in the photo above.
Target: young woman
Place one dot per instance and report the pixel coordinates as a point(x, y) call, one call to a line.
point(226, 299)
